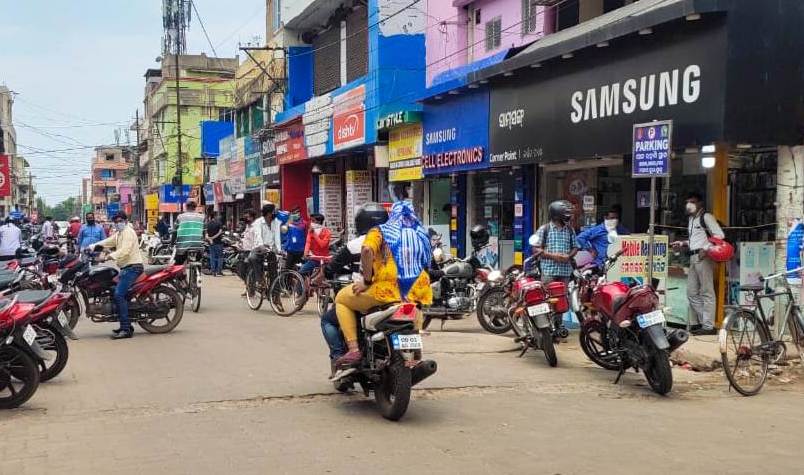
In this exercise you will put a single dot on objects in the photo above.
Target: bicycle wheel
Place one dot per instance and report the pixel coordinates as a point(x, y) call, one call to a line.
point(194, 288)
point(288, 293)
point(795, 326)
point(745, 352)
point(254, 294)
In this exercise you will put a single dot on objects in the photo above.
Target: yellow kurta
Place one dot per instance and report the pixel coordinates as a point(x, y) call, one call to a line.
point(384, 286)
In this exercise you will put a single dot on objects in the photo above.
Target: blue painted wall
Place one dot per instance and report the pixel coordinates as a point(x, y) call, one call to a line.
point(212, 131)
point(300, 75)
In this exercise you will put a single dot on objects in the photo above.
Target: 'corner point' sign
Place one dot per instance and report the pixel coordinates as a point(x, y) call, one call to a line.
point(653, 144)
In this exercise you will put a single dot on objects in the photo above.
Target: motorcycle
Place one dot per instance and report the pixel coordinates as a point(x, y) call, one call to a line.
point(456, 291)
point(624, 328)
point(20, 354)
point(391, 364)
point(534, 309)
point(52, 328)
point(152, 297)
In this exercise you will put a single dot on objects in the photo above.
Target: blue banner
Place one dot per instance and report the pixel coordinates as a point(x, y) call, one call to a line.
point(170, 194)
point(652, 147)
point(212, 131)
point(456, 136)
point(112, 209)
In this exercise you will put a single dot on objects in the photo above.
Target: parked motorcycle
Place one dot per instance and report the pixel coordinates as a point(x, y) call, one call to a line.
point(624, 328)
point(20, 354)
point(392, 363)
point(154, 303)
point(52, 328)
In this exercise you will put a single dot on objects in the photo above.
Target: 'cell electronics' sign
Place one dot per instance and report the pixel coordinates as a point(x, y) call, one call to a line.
point(456, 134)
point(588, 108)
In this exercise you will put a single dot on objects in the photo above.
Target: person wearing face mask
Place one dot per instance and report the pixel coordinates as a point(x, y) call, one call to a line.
point(700, 280)
point(597, 238)
point(90, 233)
point(317, 243)
point(128, 257)
point(295, 238)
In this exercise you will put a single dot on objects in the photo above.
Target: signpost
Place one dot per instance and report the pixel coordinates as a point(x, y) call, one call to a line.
point(653, 145)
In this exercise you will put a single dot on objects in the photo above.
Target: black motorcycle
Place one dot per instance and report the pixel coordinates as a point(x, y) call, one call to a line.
point(392, 363)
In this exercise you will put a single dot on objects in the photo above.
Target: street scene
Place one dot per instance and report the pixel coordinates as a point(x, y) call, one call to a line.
point(343, 236)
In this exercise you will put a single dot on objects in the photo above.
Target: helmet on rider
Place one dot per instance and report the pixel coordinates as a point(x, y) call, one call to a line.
point(368, 216)
point(561, 210)
point(479, 236)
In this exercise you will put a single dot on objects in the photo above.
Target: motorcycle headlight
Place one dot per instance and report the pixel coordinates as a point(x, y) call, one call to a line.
point(495, 276)
point(438, 254)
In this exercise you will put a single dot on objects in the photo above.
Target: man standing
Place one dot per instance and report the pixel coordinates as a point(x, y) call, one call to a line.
point(296, 238)
point(189, 232)
point(555, 243)
point(597, 238)
point(9, 240)
point(700, 280)
point(90, 233)
point(129, 259)
point(215, 240)
point(48, 232)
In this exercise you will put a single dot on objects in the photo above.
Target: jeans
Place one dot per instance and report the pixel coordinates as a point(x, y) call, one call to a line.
point(293, 258)
point(332, 334)
point(308, 267)
point(258, 260)
point(216, 258)
point(128, 275)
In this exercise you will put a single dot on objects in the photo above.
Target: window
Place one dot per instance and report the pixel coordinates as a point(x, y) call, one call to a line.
point(109, 157)
point(226, 114)
point(530, 16)
point(276, 19)
point(493, 33)
point(107, 174)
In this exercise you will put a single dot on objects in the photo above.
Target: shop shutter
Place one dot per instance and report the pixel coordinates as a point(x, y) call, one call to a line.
point(327, 61)
point(356, 44)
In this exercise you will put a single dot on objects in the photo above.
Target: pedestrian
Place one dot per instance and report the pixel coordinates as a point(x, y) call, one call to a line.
point(555, 244)
point(597, 238)
point(215, 240)
point(163, 226)
point(701, 278)
point(90, 232)
point(189, 233)
point(296, 239)
point(9, 240)
point(48, 230)
point(317, 243)
point(128, 257)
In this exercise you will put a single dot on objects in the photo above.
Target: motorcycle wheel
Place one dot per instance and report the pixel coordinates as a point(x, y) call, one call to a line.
point(592, 339)
point(19, 377)
point(196, 300)
point(392, 392)
point(54, 344)
point(253, 294)
point(160, 293)
point(658, 372)
point(490, 322)
point(73, 311)
point(549, 348)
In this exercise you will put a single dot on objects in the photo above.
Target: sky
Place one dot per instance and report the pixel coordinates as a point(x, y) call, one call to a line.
point(77, 68)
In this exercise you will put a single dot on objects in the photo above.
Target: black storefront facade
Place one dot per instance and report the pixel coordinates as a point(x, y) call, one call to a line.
point(567, 105)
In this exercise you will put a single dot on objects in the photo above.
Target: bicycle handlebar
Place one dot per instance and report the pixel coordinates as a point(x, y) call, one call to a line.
point(780, 274)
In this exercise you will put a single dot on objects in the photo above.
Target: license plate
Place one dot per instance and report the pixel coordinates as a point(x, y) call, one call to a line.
point(406, 342)
point(539, 309)
point(649, 319)
point(62, 318)
point(29, 335)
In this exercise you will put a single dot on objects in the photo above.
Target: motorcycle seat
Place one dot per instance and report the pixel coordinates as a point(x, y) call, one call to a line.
point(151, 270)
point(27, 261)
point(378, 314)
point(36, 297)
point(618, 302)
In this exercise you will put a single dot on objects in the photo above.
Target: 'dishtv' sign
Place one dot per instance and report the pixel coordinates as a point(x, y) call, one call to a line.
point(456, 134)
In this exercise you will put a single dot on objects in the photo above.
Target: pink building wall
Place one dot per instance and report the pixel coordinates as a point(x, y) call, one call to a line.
point(447, 36)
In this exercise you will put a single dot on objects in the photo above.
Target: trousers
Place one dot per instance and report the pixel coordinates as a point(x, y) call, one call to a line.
point(701, 290)
point(128, 275)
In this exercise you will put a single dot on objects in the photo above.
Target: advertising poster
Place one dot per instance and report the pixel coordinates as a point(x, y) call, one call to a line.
point(330, 202)
point(5, 176)
point(254, 172)
point(348, 120)
point(358, 192)
point(757, 259)
point(290, 144)
point(404, 153)
point(634, 261)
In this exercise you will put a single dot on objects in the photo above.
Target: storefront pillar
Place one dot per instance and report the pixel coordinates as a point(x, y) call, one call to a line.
point(719, 186)
point(457, 226)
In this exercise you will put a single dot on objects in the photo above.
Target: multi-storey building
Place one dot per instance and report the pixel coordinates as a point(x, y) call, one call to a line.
point(20, 191)
point(112, 179)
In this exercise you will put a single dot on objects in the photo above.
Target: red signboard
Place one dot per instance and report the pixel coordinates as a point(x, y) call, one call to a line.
point(349, 120)
point(218, 188)
point(5, 176)
point(290, 144)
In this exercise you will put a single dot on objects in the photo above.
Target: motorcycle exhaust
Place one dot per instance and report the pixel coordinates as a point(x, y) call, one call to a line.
point(422, 371)
point(676, 338)
point(562, 332)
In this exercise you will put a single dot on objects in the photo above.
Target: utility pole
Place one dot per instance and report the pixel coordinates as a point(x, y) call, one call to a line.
point(179, 169)
point(137, 185)
point(30, 193)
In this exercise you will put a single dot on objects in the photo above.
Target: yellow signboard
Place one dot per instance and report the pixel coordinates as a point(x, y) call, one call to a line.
point(152, 201)
point(405, 153)
point(634, 260)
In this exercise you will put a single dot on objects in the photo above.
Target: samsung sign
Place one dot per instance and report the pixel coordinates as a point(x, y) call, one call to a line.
point(456, 134)
point(586, 107)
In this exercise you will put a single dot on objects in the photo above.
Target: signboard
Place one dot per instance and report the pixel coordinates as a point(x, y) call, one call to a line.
point(317, 120)
point(254, 171)
point(5, 176)
point(757, 259)
point(587, 108)
point(218, 189)
point(348, 120)
point(290, 144)
point(330, 202)
point(456, 134)
point(152, 217)
point(209, 193)
point(358, 192)
point(651, 150)
point(634, 261)
point(404, 153)
point(270, 169)
point(396, 119)
point(152, 201)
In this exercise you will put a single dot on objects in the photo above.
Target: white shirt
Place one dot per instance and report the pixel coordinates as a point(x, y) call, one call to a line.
point(47, 230)
point(9, 239)
point(247, 243)
point(698, 238)
point(268, 235)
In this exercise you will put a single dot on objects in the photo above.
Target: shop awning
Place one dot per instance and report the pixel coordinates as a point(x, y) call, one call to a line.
point(616, 23)
point(457, 78)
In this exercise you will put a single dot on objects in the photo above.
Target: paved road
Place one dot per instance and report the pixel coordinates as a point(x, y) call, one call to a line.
point(236, 391)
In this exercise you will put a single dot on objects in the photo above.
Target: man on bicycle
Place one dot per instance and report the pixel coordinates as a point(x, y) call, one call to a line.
point(317, 244)
point(267, 241)
point(189, 232)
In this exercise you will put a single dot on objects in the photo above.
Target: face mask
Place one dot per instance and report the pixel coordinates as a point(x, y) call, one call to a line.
point(611, 224)
point(316, 226)
point(91, 222)
point(120, 226)
point(692, 208)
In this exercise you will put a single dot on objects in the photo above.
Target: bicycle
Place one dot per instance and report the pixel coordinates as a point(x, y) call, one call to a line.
point(748, 346)
point(258, 282)
point(193, 290)
point(290, 291)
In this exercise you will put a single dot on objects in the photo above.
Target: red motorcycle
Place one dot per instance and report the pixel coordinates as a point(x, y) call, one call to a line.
point(51, 323)
point(623, 327)
point(533, 309)
point(20, 354)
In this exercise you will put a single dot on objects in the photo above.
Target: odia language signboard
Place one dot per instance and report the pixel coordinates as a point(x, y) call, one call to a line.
point(633, 262)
